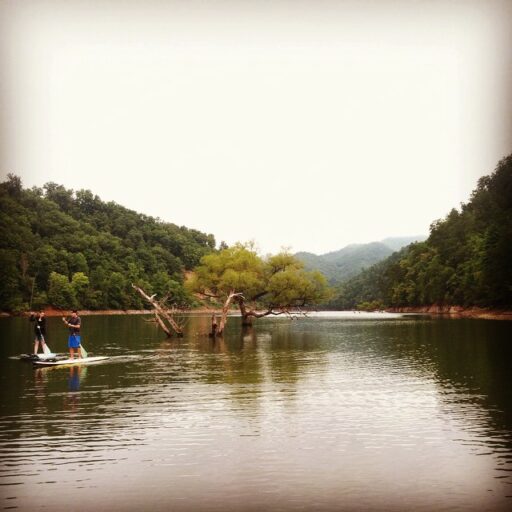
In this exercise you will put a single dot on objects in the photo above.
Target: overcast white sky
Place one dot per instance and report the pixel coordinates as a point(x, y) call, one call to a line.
point(306, 124)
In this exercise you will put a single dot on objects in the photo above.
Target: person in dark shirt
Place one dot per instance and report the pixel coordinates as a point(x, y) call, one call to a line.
point(74, 323)
point(39, 330)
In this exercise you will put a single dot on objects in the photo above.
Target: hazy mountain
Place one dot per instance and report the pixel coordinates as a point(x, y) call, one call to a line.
point(397, 242)
point(338, 266)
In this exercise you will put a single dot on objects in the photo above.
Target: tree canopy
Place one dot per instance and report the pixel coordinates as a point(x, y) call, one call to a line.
point(466, 261)
point(71, 249)
point(263, 286)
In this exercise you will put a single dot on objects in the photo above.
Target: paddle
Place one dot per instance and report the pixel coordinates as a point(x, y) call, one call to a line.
point(83, 351)
point(46, 348)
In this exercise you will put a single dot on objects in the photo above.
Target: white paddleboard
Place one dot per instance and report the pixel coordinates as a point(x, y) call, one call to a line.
point(78, 360)
point(40, 357)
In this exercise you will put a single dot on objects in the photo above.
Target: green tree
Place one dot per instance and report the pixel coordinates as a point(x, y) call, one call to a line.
point(11, 297)
point(60, 292)
point(54, 229)
point(80, 287)
point(118, 296)
point(465, 261)
point(259, 286)
point(169, 290)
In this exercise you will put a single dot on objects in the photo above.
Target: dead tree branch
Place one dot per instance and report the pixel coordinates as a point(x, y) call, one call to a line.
point(225, 310)
point(161, 311)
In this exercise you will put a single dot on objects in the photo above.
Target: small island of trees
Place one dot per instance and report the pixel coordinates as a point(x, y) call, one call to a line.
point(259, 286)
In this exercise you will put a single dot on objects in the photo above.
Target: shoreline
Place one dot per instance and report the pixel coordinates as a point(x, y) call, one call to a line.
point(456, 312)
point(449, 311)
point(50, 312)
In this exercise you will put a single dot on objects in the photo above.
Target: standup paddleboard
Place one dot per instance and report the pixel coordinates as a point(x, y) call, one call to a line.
point(78, 360)
point(42, 357)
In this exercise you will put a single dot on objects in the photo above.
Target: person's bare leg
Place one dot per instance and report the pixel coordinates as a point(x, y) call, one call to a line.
point(36, 346)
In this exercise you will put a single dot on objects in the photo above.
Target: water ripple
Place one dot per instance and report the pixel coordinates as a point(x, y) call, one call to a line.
point(294, 416)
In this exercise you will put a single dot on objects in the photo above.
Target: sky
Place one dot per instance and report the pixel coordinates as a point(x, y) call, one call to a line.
point(307, 125)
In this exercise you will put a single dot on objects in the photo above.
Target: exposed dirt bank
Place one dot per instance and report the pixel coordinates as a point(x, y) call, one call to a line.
point(84, 312)
point(451, 311)
point(457, 312)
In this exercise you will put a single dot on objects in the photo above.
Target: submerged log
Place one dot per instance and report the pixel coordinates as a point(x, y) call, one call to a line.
point(162, 325)
point(161, 311)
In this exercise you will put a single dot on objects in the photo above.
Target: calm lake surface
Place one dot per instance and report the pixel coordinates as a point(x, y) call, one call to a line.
point(338, 411)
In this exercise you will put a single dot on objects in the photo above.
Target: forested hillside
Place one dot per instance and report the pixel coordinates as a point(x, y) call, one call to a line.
point(71, 249)
point(466, 261)
point(339, 266)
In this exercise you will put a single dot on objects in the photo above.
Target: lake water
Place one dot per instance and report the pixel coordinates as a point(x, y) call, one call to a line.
point(333, 412)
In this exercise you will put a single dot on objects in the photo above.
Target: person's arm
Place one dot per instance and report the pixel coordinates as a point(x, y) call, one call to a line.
point(76, 326)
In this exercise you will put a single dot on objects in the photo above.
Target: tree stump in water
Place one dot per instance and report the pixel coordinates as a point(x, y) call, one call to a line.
point(213, 332)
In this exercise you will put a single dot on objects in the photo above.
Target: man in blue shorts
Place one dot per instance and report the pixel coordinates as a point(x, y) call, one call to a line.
point(73, 322)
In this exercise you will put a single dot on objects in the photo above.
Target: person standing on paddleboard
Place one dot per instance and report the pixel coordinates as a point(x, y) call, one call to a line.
point(39, 330)
point(74, 323)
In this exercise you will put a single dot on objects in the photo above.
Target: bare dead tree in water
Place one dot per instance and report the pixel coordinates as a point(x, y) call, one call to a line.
point(248, 313)
point(164, 315)
point(292, 311)
point(225, 310)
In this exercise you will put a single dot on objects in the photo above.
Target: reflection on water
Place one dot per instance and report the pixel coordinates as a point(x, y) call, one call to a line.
point(336, 411)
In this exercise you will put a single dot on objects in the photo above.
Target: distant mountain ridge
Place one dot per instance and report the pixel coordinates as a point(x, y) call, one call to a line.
point(338, 266)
